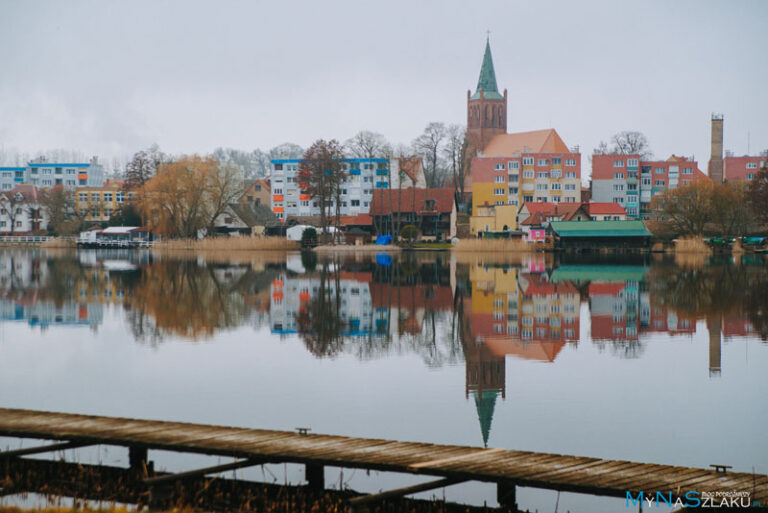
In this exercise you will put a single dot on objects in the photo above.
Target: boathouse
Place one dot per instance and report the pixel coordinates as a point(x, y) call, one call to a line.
point(589, 235)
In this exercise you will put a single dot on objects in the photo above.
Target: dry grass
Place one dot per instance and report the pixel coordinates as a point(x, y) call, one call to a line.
point(58, 243)
point(496, 245)
point(368, 248)
point(694, 245)
point(226, 244)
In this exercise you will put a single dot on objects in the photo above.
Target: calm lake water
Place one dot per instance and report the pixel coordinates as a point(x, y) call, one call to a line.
point(643, 359)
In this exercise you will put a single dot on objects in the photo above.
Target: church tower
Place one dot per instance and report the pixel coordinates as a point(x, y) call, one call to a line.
point(487, 108)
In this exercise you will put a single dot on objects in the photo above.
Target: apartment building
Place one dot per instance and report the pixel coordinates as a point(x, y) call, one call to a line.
point(21, 212)
point(742, 168)
point(42, 173)
point(10, 177)
point(632, 183)
point(362, 178)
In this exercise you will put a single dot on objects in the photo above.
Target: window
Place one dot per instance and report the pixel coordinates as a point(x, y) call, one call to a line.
point(528, 173)
point(527, 161)
point(555, 199)
point(541, 187)
point(618, 163)
point(570, 187)
point(542, 174)
point(570, 174)
point(82, 197)
point(687, 171)
point(499, 167)
point(95, 196)
point(513, 165)
point(500, 179)
point(119, 197)
point(18, 224)
point(751, 165)
point(556, 173)
point(618, 200)
point(277, 191)
point(555, 186)
point(570, 162)
point(659, 183)
point(542, 162)
point(750, 176)
point(556, 161)
point(108, 196)
point(513, 178)
point(618, 176)
point(618, 187)
point(499, 192)
point(659, 171)
point(646, 181)
point(527, 199)
point(278, 167)
point(355, 203)
point(632, 162)
point(513, 190)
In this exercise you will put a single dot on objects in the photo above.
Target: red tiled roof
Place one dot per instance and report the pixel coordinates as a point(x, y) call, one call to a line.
point(411, 167)
point(390, 200)
point(30, 193)
point(358, 220)
point(605, 208)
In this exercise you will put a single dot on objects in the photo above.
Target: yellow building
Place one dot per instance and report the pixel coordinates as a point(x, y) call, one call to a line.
point(493, 218)
point(97, 204)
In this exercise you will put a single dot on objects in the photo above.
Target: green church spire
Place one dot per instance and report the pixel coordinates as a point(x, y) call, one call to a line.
point(487, 80)
point(485, 403)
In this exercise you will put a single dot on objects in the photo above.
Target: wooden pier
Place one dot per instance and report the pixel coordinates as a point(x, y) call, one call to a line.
point(450, 463)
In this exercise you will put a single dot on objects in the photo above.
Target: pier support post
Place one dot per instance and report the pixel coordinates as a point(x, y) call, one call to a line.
point(506, 494)
point(315, 476)
point(138, 458)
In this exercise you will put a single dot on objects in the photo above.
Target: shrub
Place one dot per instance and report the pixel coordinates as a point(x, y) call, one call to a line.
point(309, 238)
point(409, 233)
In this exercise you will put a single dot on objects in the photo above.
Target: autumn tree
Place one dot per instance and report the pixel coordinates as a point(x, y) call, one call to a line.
point(731, 213)
point(367, 145)
point(757, 195)
point(186, 196)
point(627, 142)
point(688, 207)
point(321, 173)
point(429, 146)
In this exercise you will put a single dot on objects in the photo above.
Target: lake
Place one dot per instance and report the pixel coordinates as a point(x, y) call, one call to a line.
point(646, 358)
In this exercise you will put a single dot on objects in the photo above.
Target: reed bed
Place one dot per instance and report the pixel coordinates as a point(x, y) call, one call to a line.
point(694, 245)
point(226, 244)
point(495, 245)
point(58, 243)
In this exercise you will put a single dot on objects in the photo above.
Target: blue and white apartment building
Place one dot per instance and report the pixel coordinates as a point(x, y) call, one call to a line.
point(363, 176)
point(41, 173)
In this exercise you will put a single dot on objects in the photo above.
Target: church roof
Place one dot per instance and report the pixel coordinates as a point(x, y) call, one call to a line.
point(536, 141)
point(487, 79)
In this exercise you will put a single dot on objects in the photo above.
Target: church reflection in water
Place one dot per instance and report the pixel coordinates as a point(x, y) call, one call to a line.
point(447, 309)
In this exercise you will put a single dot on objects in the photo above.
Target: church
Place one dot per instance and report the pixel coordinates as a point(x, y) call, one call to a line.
point(508, 170)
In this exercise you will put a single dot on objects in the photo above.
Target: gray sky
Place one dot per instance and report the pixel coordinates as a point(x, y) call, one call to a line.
point(112, 77)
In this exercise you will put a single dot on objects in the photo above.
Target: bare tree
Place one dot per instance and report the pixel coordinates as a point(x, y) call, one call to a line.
point(429, 146)
point(627, 142)
point(321, 174)
point(225, 186)
point(143, 166)
point(14, 206)
point(286, 151)
point(367, 145)
point(454, 152)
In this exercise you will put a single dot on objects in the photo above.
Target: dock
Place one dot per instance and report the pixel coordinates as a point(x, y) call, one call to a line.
point(450, 464)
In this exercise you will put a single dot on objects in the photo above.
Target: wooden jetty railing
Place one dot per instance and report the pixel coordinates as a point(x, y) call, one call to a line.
point(451, 463)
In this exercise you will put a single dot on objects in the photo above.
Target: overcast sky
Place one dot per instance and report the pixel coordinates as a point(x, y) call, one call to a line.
point(112, 77)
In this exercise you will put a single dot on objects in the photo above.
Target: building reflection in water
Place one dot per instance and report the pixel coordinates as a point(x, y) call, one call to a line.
point(447, 310)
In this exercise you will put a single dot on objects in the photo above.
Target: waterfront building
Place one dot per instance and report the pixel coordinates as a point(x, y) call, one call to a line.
point(256, 192)
point(432, 211)
point(97, 204)
point(20, 211)
point(632, 183)
point(10, 177)
point(363, 177)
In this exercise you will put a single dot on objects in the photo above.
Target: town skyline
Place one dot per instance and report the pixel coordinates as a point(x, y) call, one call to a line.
point(389, 87)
